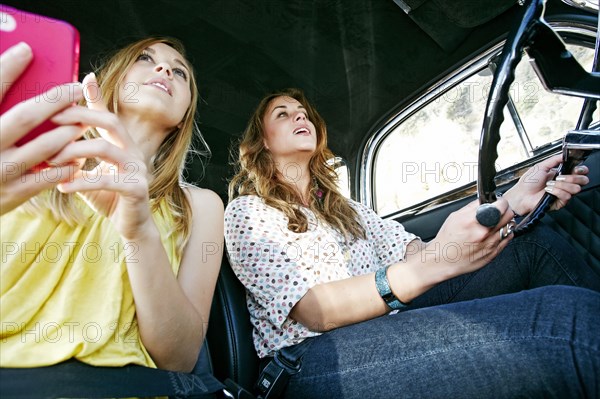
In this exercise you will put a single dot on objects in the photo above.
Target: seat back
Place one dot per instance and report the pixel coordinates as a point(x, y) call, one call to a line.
point(229, 333)
point(579, 221)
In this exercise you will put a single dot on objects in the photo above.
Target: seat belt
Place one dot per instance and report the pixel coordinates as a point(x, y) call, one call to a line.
point(275, 376)
point(73, 379)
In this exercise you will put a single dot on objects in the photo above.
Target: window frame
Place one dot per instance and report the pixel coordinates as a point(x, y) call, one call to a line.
point(336, 163)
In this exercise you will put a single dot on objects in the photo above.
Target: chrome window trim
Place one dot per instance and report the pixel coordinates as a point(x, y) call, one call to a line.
point(365, 191)
point(367, 159)
point(587, 5)
point(573, 27)
point(337, 162)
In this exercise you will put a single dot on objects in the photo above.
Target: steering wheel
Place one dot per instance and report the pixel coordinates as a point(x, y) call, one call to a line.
point(531, 31)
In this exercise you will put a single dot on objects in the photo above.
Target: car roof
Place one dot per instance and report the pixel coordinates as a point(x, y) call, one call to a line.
point(356, 60)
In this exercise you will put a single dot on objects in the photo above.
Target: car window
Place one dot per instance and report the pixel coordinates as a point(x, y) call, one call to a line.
point(343, 173)
point(434, 150)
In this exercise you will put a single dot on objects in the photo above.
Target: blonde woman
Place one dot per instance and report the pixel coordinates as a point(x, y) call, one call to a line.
point(117, 264)
point(486, 319)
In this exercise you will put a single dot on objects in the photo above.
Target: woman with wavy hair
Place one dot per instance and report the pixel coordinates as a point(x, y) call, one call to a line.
point(280, 185)
point(114, 260)
point(475, 312)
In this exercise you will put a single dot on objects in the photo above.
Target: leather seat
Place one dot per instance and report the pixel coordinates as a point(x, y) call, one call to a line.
point(579, 221)
point(229, 332)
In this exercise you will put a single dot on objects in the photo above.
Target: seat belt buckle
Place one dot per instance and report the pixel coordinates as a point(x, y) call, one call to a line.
point(272, 381)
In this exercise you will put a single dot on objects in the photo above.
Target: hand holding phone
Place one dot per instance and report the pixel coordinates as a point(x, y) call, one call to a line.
point(55, 47)
point(21, 176)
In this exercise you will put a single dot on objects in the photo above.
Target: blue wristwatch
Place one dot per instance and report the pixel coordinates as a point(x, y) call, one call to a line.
point(383, 287)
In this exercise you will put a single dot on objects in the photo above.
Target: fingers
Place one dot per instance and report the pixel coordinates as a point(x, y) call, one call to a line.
point(40, 149)
point(550, 163)
point(131, 181)
point(503, 230)
point(565, 182)
point(23, 117)
point(106, 121)
point(97, 115)
point(543, 171)
point(94, 148)
point(118, 171)
point(507, 213)
point(492, 235)
point(92, 93)
point(12, 64)
point(478, 244)
point(549, 166)
point(24, 186)
point(580, 170)
point(497, 245)
point(566, 186)
point(562, 191)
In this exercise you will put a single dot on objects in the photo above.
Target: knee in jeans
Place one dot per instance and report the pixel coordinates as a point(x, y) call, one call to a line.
point(568, 296)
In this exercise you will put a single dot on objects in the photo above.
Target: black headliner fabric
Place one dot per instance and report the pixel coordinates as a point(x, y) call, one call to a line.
point(357, 60)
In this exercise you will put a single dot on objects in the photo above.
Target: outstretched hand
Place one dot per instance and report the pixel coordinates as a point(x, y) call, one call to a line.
point(463, 245)
point(20, 178)
point(117, 187)
point(530, 188)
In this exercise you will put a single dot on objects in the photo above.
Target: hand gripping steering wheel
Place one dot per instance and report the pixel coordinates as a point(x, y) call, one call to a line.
point(559, 72)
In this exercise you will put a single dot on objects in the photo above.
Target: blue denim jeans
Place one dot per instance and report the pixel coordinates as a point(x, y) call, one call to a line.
point(522, 326)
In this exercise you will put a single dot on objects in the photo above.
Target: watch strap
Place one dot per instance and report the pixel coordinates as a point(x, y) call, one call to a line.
point(383, 287)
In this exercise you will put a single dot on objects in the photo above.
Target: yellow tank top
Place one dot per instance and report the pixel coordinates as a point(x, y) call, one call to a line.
point(65, 292)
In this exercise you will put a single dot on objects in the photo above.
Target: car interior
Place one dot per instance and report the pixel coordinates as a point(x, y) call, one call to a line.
point(369, 67)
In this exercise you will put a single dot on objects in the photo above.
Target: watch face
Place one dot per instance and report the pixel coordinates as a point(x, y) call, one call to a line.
point(389, 297)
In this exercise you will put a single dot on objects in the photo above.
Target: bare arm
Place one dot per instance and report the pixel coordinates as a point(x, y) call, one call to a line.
point(172, 312)
point(355, 299)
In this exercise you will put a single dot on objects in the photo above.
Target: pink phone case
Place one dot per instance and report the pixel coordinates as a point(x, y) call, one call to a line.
point(55, 46)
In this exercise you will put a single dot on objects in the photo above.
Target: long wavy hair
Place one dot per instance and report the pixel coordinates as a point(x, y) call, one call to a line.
point(168, 163)
point(256, 174)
